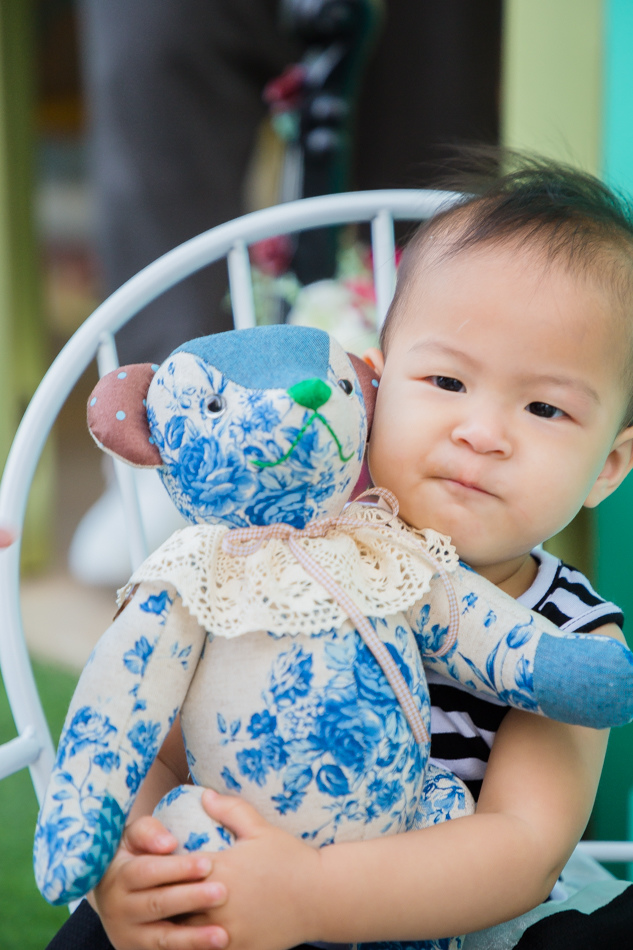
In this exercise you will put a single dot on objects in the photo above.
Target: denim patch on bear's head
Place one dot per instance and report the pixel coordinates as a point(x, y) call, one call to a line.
point(273, 357)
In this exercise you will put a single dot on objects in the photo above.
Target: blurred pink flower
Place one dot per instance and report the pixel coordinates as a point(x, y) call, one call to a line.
point(272, 255)
point(7, 537)
point(284, 92)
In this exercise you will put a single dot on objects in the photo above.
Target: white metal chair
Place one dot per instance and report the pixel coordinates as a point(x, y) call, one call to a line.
point(33, 746)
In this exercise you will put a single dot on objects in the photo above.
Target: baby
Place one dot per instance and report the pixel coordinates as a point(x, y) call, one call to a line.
point(505, 396)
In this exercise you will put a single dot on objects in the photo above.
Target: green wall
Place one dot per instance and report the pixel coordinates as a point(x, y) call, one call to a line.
point(551, 78)
point(614, 518)
point(23, 336)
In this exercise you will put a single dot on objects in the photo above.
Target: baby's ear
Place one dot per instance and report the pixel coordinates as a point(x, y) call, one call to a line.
point(117, 415)
point(617, 466)
point(368, 379)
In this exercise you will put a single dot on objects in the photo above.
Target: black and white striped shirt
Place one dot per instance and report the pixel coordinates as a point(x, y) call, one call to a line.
point(463, 724)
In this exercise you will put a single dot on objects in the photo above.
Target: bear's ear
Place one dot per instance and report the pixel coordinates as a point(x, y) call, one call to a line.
point(117, 415)
point(368, 379)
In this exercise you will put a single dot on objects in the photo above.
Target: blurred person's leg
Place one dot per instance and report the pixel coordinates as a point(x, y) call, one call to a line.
point(174, 93)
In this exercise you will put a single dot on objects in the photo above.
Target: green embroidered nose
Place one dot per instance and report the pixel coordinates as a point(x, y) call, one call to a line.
point(311, 393)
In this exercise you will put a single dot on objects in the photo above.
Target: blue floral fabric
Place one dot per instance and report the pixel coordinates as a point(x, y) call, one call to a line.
point(244, 456)
point(493, 655)
point(518, 658)
point(306, 728)
point(320, 745)
point(115, 726)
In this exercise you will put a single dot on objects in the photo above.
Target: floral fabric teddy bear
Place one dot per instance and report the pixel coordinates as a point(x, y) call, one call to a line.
point(287, 631)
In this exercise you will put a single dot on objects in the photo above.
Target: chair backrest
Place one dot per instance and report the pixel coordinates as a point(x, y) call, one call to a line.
point(33, 746)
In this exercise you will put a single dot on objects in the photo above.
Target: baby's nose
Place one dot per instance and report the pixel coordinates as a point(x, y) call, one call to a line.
point(485, 433)
point(311, 393)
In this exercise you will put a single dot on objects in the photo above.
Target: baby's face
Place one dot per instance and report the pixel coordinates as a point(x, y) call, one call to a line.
point(499, 403)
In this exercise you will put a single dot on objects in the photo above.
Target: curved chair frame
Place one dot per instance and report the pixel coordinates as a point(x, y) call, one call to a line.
point(33, 746)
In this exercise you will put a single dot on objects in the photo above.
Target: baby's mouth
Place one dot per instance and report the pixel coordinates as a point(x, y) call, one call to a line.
point(464, 484)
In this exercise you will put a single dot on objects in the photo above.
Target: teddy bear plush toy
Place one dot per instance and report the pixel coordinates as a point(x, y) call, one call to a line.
point(287, 630)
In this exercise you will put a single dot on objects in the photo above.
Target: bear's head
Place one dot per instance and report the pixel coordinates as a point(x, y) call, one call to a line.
point(248, 427)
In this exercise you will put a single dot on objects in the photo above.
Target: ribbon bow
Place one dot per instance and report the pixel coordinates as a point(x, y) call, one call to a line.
point(244, 541)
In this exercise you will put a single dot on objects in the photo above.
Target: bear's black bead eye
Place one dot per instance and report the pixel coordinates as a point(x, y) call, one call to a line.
point(215, 405)
point(346, 386)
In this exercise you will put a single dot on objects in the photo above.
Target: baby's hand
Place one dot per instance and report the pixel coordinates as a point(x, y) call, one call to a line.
point(146, 885)
point(270, 879)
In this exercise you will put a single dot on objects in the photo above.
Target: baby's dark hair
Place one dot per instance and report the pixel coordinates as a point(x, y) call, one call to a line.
point(561, 213)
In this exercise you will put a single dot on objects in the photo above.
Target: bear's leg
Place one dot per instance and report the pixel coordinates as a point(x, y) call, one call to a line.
point(443, 796)
point(181, 812)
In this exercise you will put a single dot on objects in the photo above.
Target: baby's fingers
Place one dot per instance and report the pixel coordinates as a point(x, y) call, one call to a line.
point(148, 872)
point(147, 835)
point(165, 903)
point(169, 936)
point(233, 812)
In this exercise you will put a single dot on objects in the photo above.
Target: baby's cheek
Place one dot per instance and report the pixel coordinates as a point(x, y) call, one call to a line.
point(381, 473)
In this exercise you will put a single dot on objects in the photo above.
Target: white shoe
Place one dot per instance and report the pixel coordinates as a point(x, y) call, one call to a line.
point(99, 553)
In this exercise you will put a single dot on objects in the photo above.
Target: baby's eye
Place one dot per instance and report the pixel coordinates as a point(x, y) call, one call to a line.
point(544, 410)
point(448, 383)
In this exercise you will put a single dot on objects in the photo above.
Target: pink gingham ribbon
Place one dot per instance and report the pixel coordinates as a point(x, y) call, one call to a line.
point(245, 541)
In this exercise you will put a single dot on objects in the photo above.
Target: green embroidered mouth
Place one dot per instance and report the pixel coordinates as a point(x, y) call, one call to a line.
point(312, 393)
point(286, 455)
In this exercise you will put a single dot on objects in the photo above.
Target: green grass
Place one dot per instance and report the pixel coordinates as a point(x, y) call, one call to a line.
point(27, 922)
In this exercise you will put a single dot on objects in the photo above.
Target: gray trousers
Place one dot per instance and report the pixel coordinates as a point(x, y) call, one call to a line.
point(174, 91)
point(174, 94)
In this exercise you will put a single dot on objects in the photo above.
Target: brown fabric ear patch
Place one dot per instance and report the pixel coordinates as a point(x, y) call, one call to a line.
point(117, 415)
point(368, 379)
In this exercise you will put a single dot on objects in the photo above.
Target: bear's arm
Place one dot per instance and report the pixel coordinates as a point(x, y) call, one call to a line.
point(515, 655)
point(125, 703)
